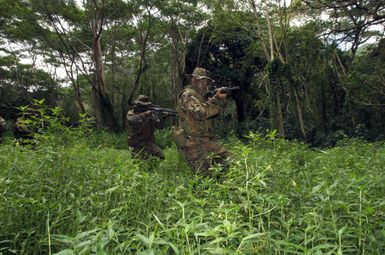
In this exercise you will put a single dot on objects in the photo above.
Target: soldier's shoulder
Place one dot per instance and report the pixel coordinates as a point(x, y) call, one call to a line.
point(184, 97)
point(132, 115)
point(187, 93)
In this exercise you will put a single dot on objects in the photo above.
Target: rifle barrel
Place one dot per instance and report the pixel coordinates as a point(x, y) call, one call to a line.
point(164, 110)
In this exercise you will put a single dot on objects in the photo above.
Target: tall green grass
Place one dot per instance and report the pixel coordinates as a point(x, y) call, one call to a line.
point(77, 192)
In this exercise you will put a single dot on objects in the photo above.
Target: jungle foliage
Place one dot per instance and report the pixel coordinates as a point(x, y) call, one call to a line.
point(80, 191)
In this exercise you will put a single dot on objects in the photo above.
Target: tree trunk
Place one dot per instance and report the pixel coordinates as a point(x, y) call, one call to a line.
point(142, 67)
point(142, 62)
point(300, 115)
point(123, 110)
point(324, 117)
point(75, 85)
point(293, 86)
point(279, 116)
point(79, 99)
point(104, 111)
point(240, 109)
point(178, 59)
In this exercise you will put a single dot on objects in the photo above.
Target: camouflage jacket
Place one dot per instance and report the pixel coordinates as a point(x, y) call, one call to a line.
point(141, 127)
point(196, 113)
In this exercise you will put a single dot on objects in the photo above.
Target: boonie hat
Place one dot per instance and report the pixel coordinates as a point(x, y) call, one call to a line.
point(201, 73)
point(143, 100)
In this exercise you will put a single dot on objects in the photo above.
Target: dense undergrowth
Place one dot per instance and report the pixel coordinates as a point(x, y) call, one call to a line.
point(75, 191)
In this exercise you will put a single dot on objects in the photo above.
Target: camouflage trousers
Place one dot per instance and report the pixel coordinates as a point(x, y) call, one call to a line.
point(144, 150)
point(203, 152)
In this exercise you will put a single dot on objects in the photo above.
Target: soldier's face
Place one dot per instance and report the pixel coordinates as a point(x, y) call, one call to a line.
point(203, 85)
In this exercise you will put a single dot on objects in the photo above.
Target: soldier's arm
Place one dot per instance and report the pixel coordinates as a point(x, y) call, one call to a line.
point(147, 116)
point(159, 123)
point(200, 110)
point(133, 118)
point(155, 119)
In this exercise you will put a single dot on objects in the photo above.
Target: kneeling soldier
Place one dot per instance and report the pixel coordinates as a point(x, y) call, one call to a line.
point(142, 122)
point(194, 137)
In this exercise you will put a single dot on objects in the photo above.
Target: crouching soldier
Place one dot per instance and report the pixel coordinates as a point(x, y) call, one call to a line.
point(142, 122)
point(194, 137)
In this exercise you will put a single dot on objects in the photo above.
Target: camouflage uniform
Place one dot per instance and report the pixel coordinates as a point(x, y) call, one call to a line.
point(141, 127)
point(194, 137)
point(3, 126)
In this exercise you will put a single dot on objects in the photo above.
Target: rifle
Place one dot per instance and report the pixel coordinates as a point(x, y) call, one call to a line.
point(223, 90)
point(157, 109)
point(163, 110)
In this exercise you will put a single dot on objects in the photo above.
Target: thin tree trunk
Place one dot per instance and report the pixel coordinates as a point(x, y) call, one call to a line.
point(78, 98)
point(279, 116)
point(323, 109)
point(123, 110)
point(300, 115)
point(293, 86)
point(240, 109)
point(104, 110)
point(142, 67)
point(178, 58)
point(69, 71)
point(260, 30)
point(271, 38)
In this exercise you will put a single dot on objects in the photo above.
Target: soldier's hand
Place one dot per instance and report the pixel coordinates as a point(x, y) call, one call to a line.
point(148, 113)
point(221, 93)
